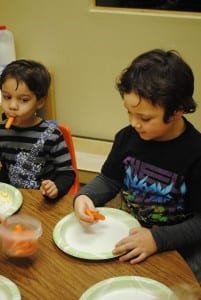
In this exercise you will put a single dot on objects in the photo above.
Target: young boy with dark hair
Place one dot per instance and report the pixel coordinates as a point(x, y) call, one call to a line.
point(155, 162)
point(33, 153)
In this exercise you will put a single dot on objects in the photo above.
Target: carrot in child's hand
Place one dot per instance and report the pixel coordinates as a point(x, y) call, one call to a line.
point(99, 216)
point(95, 214)
point(9, 122)
point(89, 213)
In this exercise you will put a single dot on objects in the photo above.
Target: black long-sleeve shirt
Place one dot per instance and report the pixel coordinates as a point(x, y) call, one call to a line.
point(160, 185)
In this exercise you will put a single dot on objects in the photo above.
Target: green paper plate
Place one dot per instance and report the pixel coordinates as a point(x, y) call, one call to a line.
point(129, 288)
point(10, 199)
point(8, 289)
point(94, 242)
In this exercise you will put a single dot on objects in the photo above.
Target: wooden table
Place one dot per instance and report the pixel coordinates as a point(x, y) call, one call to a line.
point(51, 274)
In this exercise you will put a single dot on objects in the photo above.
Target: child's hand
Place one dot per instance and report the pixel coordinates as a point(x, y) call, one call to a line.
point(49, 189)
point(80, 205)
point(138, 245)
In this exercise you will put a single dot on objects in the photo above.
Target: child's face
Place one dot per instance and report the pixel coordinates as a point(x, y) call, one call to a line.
point(147, 119)
point(20, 102)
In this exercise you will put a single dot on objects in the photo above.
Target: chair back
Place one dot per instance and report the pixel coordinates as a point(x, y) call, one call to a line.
point(69, 141)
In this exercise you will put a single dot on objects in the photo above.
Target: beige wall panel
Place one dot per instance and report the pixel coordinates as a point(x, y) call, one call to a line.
point(86, 50)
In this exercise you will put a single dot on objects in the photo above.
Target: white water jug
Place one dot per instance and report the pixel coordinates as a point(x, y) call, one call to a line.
point(7, 47)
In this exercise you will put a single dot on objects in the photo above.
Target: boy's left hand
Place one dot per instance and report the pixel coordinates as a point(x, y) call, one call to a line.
point(138, 245)
point(49, 189)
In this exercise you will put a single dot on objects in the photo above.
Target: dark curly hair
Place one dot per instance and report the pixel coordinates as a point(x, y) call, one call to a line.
point(163, 77)
point(33, 73)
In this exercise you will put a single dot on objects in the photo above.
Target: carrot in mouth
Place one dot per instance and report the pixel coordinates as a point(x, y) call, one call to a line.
point(9, 122)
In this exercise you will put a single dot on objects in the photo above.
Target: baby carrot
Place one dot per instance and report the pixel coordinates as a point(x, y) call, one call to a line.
point(18, 228)
point(95, 215)
point(89, 213)
point(99, 216)
point(9, 122)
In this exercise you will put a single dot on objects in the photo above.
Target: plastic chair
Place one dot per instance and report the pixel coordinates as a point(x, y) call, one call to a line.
point(69, 141)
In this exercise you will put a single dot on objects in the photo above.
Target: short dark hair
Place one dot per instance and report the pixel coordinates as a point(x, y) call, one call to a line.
point(33, 73)
point(163, 77)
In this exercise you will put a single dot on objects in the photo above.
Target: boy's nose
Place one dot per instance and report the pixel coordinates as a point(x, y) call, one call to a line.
point(13, 105)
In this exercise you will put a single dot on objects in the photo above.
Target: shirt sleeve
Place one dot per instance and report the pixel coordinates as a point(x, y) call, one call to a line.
point(100, 190)
point(64, 182)
point(3, 174)
point(185, 234)
point(64, 175)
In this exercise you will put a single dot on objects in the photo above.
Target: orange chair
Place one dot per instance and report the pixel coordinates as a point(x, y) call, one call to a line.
point(69, 141)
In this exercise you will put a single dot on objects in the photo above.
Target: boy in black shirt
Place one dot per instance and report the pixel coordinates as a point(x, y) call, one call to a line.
point(155, 162)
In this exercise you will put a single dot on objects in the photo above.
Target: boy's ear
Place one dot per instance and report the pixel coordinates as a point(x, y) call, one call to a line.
point(178, 114)
point(41, 103)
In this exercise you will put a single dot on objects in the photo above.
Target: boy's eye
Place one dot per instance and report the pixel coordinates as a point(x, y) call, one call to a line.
point(24, 100)
point(6, 97)
point(146, 119)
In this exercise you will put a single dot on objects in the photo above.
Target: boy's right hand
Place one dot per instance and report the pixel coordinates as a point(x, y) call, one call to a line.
point(81, 203)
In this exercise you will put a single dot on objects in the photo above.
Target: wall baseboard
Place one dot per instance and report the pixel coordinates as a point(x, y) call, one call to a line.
point(90, 155)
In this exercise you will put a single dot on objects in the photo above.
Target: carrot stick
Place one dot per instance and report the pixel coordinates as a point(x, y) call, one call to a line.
point(99, 216)
point(9, 122)
point(95, 215)
point(89, 213)
point(18, 228)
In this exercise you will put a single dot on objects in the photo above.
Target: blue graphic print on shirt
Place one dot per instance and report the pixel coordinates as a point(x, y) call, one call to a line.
point(153, 195)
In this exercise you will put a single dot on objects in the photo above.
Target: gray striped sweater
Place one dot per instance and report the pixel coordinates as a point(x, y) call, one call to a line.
point(30, 155)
